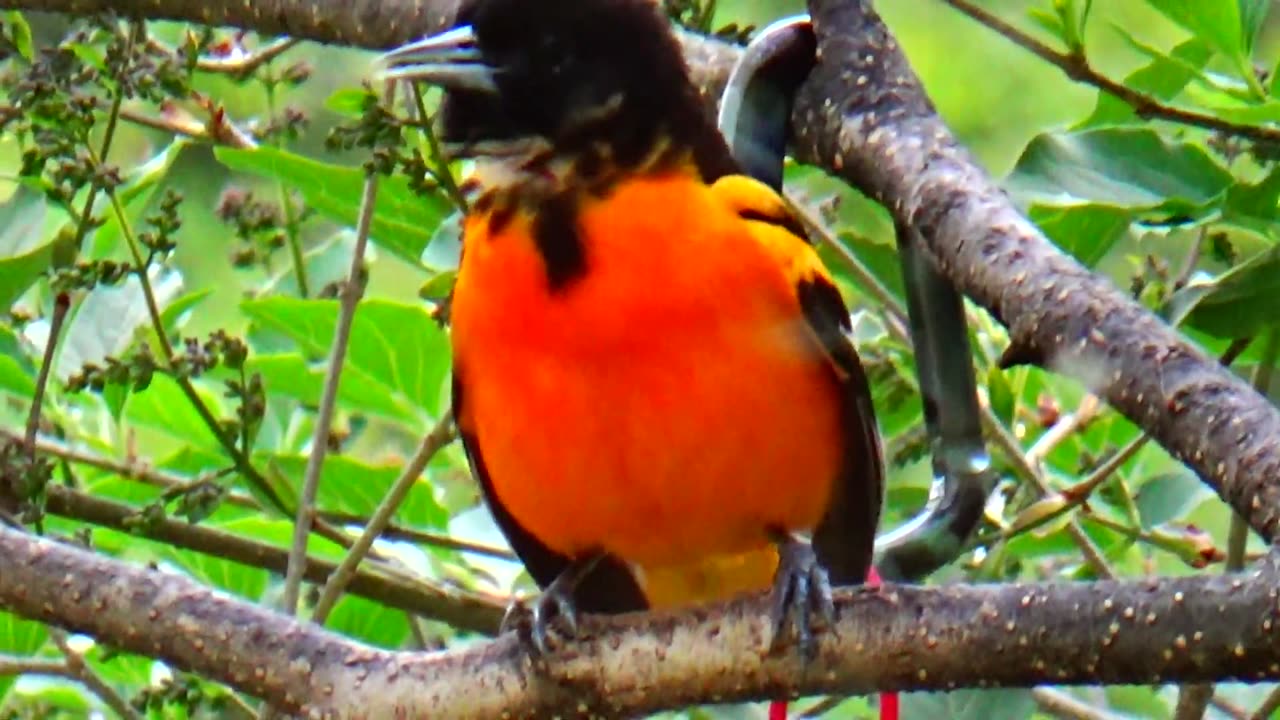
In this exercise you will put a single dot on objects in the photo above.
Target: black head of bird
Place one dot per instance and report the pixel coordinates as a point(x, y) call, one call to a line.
point(569, 72)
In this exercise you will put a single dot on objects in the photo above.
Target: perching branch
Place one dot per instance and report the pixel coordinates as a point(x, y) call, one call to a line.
point(1190, 629)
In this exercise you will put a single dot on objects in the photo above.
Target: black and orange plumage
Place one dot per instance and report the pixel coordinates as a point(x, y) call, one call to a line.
point(653, 378)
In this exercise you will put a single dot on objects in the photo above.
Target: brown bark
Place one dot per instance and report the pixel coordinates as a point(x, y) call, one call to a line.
point(898, 637)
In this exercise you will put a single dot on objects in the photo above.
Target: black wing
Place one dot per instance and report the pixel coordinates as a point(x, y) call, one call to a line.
point(845, 538)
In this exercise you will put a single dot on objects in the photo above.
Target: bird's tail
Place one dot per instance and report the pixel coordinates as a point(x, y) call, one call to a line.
point(888, 701)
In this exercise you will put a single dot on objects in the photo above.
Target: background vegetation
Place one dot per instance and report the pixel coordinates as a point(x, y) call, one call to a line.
point(214, 171)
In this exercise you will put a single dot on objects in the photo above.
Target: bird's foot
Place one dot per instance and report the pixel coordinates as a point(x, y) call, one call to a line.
point(801, 585)
point(552, 615)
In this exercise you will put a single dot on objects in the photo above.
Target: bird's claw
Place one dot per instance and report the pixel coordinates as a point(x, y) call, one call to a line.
point(552, 615)
point(800, 584)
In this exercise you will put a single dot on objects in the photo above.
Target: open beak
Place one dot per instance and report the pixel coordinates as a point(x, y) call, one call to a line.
point(450, 60)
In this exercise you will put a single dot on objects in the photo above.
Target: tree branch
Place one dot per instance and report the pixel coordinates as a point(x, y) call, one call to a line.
point(884, 136)
point(1190, 629)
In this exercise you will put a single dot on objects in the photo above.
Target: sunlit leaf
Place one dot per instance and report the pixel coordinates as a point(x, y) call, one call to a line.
point(1087, 232)
point(104, 322)
point(24, 253)
point(163, 407)
point(1118, 167)
point(393, 345)
point(1218, 22)
point(291, 375)
point(403, 221)
point(375, 624)
point(1239, 303)
point(20, 638)
point(351, 487)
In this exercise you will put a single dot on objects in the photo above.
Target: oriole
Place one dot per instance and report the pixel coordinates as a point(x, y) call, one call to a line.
point(652, 376)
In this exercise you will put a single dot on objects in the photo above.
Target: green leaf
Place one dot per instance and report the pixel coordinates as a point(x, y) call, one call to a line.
point(105, 321)
point(439, 286)
point(175, 315)
point(1168, 497)
point(403, 221)
point(1218, 22)
point(395, 346)
point(1253, 15)
point(24, 253)
point(1163, 78)
point(1239, 303)
point(17, 374)
point(1087, 232)
point(371, 622)
point(237, 579)
point(280, 534)
point(1050, 22)
point(291, 375)
point(1137, 701)
point(1012, 704)
point(20, 35)
point(1000, 395)
point(21, 638)
point(1254, 206)
point(121, 669)
point(353, 487)
point(328, 262)
point(347, 101)
point(1118, 167)
point(164, 407)
point(880, 259)
point(445, 248)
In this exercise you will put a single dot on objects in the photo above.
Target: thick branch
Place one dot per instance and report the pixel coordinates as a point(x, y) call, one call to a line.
point(883, 135)
point(1195, 629)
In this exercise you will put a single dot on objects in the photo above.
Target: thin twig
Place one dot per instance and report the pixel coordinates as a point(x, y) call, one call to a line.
point(61, 304)
point(221, 131)
point(349, 298)
point(439, 166)
point(292, 238)
point(1193, 701)
point(440, 435)
point(245, 64)
point(90, 679)
point(1066, 426)
point(1063, 706)
point(13, 666)
point(1076, 66)
point(471, 610)
point(175, 484)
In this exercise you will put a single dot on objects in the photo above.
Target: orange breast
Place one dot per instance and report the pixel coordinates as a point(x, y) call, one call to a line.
point(670, 405)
